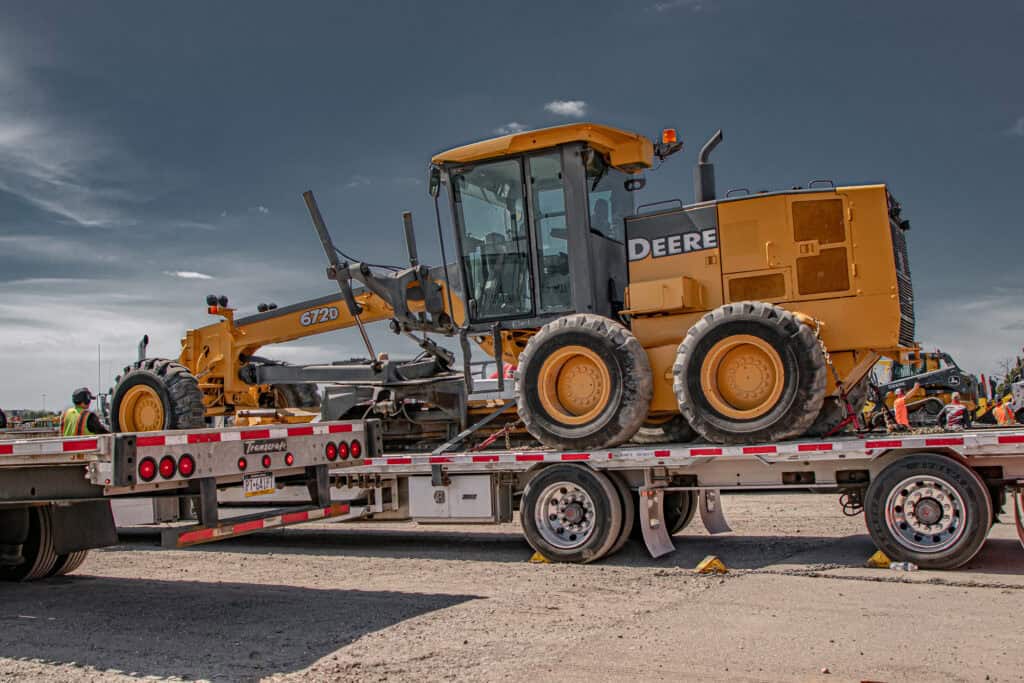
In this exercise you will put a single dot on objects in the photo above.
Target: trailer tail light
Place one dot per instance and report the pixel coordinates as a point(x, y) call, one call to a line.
point(342, 450)
point(289, 459)
point(186, 465)
point(168, 467)
point(266, 461)
point(331, 451)
point(356, 448)
point(147, 469)
point(242, 464)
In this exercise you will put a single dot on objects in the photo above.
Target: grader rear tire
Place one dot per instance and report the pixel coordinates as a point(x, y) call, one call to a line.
point(583, 382)
point(156, 394)
point(295, 395)
point(749, 372)
point(833, 412)
point(673, 430)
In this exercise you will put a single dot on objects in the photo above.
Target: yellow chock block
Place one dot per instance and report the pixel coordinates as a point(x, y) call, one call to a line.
point(537, 558)
point(878, 561)
point(711, 565)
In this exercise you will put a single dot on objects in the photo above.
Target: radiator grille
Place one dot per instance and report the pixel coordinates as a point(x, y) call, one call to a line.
point(906, 289)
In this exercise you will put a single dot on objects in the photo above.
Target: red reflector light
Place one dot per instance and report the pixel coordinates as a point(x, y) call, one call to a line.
point(147, 469)
point(668, 136)
point(342, 449)
point(242, 463)
point(168, 467)
point(266, 461)
point(289, 459)
point(186, 465)
point(356, 448)
point(331, 451)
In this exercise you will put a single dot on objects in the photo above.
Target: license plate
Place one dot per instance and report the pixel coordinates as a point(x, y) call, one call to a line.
point(258, 484)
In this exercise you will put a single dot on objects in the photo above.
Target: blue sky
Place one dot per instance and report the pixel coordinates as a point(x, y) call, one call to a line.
point(144, 146)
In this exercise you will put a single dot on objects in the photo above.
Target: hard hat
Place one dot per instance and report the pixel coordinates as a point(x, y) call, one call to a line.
point(899, 392)
point(956, 395)
point(81, 395)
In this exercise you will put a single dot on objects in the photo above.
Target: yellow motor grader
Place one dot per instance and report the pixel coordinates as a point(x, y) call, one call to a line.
point(738, 318)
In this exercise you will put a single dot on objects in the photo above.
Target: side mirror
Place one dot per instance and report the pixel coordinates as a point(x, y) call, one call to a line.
point(434, 180)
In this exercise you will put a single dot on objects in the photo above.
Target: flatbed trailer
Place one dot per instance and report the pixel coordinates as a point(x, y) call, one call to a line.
point(930, 499)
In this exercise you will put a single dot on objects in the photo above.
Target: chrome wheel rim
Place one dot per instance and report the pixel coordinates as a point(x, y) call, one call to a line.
point(925, 514)
point(565, 516)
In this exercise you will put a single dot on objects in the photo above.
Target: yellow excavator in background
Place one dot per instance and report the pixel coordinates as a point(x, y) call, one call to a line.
point(741, 318)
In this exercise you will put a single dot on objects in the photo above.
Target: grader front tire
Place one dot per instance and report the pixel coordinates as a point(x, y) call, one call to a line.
point(749, 372)
point(156, 394)
point(583, 381)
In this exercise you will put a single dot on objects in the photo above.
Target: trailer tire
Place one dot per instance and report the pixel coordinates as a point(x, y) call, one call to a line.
point(679, 508)
point(749, 372)
point(40, 556)
point(583, 381)
point(833, 412)
point(582, 530)
point(928, 509)
point(674, 430)
point(68, 563)
point(156, 394)
point(629, 511)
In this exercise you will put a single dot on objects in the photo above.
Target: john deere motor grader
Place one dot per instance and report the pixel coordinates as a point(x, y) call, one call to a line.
point(739, 318)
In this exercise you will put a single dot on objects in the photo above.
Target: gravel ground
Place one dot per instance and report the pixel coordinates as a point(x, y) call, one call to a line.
point(399, 602)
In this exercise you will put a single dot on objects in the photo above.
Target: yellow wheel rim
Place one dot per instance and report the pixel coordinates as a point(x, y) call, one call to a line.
point(574, 385)
point(141, 410)
point(742, 377)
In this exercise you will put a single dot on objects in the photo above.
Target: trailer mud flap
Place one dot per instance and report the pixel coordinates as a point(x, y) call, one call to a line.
point(652, 522)
point(711, 513)
point(1018, 513)
point(82, 526)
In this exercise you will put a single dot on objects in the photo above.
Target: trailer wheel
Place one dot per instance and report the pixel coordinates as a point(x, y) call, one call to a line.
point(629, 511)
point(66, 564)
point(749, 372)
point(570, 513)
point(674, 430)
point(928, 509)
point(679, 508)
point(583, 381)
point(40, 557)
point(156, 394)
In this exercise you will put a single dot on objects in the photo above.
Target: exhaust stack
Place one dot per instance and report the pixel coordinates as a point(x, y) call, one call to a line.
point(704, 174)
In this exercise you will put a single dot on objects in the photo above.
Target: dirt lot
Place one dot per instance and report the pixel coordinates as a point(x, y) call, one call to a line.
point(399, 602)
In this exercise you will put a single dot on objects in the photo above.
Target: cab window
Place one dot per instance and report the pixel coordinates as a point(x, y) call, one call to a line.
point(608, 202)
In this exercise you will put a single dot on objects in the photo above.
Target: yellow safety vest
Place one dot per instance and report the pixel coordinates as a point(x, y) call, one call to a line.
point(74, 422)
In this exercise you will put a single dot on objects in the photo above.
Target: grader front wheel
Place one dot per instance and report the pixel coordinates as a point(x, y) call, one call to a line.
point(156, 394)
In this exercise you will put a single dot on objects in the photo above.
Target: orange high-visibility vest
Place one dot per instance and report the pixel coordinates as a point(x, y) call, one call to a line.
point(1004, 415)
point(899, 407)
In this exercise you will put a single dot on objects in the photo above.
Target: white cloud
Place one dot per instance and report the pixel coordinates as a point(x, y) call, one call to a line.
point(188, 274)
point(357, 181)
point(668, 5)
point(574, 108)
point(511, 127)
point(1017, 128)
point(262, 209)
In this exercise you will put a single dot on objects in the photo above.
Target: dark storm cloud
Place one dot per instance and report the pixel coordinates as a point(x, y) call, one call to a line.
point(139, 140)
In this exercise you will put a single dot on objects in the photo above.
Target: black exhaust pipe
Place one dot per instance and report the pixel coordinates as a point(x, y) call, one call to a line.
point(704, 174)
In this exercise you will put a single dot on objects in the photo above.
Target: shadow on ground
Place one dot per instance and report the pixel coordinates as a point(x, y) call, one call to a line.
point(194, 629)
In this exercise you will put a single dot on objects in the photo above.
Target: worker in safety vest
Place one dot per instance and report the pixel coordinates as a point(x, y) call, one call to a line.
point(1003, 413)
point(954, 415)
point(899, 406)
point(78, 419)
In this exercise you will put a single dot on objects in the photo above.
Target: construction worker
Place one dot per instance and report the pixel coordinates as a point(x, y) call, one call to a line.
point(954, 415)
point(78, 419)
point(899, 406)
point(1003, 412)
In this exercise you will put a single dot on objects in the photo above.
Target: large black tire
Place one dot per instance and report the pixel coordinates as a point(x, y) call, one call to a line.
point(630, 512)
point(928, 509)
point(295, 396)
point(68, 563)
point(624, 402)
point(547, 523)
point(833, 412)
point(40, 556)
point(675, 430)
point(679, 508)
point(802, 363)
point(176, 387)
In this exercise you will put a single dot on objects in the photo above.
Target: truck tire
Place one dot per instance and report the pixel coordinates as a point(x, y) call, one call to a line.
point(679, 508)
point(749, 372)
point(833, 412)
point(928, 509)
point(571, 513)
point(295, 396)
point(156, 394)
point(629, 511)
point(40, 557)
point(66, 564)
point(583, 381)
point(674, 430)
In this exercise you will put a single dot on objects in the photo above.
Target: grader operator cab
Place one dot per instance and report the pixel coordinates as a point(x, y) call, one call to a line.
point(739, 318)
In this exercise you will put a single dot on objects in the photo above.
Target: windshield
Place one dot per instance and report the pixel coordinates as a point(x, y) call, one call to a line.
point(609, 202)
point(490, 216)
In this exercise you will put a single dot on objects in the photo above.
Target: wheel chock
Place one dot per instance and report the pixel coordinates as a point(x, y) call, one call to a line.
point(711, 565)
point(878, 561)
point(537, 558)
